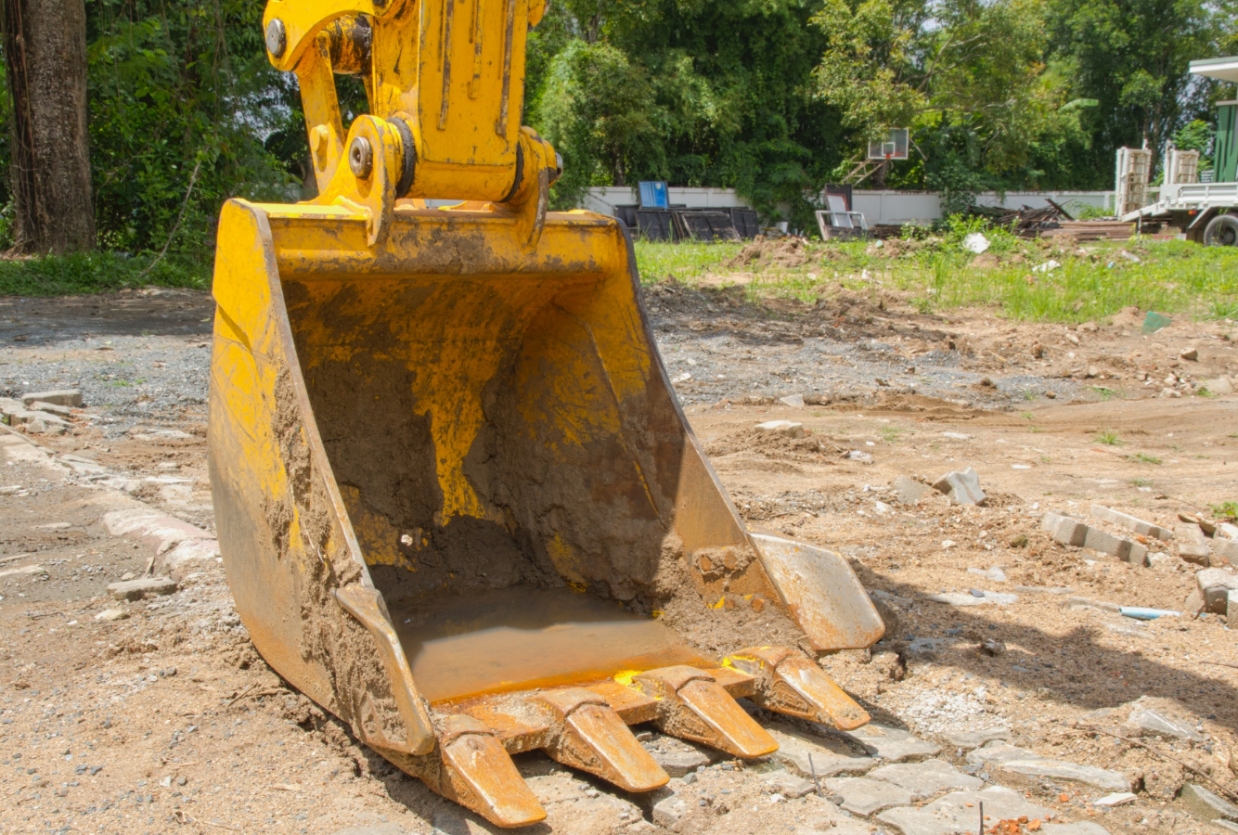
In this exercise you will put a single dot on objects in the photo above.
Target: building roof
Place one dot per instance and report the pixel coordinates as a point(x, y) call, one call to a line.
point(1226, 69)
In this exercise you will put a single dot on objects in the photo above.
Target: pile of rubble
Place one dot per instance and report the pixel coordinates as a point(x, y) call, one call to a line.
point(42, 412)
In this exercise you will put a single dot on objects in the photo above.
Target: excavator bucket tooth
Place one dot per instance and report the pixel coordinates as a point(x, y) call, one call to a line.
point(693, 706)
point(592, 737)
point(453, 487)
point(789, 683)
point(478, 773)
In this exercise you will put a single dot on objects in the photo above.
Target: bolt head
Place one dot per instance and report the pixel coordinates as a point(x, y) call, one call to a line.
point(360, 157)
point(276, 37)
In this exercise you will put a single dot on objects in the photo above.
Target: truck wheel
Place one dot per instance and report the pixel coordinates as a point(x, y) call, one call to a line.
point(1222, 230)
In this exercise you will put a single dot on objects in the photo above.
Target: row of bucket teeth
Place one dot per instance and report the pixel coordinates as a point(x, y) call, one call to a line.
point(586, 727)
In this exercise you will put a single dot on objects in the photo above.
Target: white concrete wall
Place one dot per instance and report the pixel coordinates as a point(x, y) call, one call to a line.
point(1071, 201)
point(887, 207)
point(891, 207)
point(603, 199)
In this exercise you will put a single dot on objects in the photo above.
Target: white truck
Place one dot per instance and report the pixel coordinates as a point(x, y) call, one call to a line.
point(1207, 212)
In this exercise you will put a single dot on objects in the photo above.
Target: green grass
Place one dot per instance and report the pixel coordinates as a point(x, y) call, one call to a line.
point(658, 261)
point(1143, 458)
point(1173, 277)
point(97, 272)
point(1109, 438)
point(1105, 393)
point(1226, 510)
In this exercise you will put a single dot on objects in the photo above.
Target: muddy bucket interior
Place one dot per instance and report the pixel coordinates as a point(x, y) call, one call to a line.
point(451, 478)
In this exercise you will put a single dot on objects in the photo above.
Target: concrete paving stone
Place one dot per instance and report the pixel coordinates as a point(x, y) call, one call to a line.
point(787, 784)
point(993, 573)
point(864, 796)
point(1064, 529)
point(188, 555)
point(836, 822)
point(137, 589)
point(1215, 584)
point(22, 570)
point(157, 530)
point(1190, 533)
point(670, 810)
point(1087, 603)
point(379, 829)
point(1077, 828)
point(1195, 554)
point(81, 465)
point(45, 425)
point(1151, 722)
point(908, 490)
point(1109, 801)
point(926, 779)
point(789, 428)
point(1206, 805)
point(679, 761)
point(959, 812)
point(1131, 523)
point(571, 807)
point(59, 397)
point(1228, 826)
point(830, 757)
point(1115, 546)
point(893, 744)
point(963, 598)
point(1227, 549)
point(962, 486)
point(29, 416)
point(51, 409)
point(1022, 761)
point(969, 740)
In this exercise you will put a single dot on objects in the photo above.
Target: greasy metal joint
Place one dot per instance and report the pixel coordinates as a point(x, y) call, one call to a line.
point(276, 37)
point(408, 155)
point(360, 157)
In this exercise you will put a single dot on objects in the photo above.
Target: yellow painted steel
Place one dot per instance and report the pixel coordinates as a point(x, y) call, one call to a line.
point(451, 70)
point(416, 406)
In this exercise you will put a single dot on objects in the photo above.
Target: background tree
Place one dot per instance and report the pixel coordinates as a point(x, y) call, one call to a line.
point(771, 97)
point(49, 157)
point(1131, 56)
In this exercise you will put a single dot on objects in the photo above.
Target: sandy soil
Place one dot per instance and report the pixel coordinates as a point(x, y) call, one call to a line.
point(168, 721)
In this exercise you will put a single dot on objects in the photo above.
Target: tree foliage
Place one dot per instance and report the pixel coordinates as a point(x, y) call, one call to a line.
point(177, 87)
point(1131, 56)
point(722, 90)
point(771, 97)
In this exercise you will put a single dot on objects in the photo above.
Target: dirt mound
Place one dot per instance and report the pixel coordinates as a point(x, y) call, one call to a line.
point(772, 445)
point(1128, 317)
point(787, 252)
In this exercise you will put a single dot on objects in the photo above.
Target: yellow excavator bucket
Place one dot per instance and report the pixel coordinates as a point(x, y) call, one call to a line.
point(458, 504)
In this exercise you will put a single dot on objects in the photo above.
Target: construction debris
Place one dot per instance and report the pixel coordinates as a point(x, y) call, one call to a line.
point(1070, 531)
point(962, 486)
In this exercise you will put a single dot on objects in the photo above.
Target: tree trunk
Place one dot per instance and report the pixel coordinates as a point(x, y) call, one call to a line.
point(45, 57)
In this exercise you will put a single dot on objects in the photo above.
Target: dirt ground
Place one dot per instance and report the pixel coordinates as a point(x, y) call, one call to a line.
point(165, 720)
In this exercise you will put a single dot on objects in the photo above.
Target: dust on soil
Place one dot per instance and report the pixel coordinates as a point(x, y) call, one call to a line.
point(193, 732)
